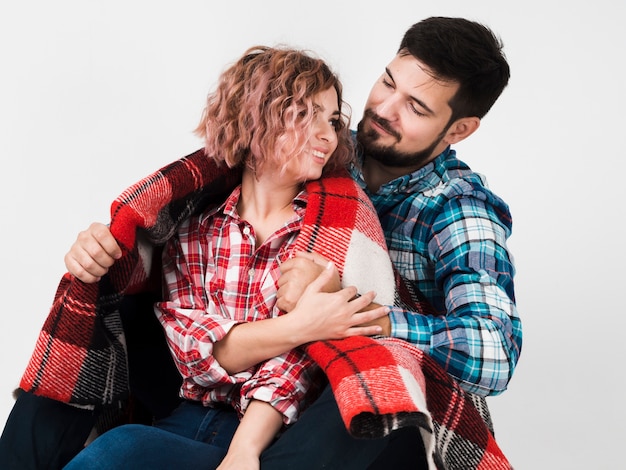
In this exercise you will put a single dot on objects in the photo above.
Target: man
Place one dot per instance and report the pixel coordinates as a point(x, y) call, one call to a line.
point(446, 234)
point(445, 230)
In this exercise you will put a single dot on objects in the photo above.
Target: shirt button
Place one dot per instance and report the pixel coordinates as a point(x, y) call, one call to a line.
point(251, 272)
point(246, 230)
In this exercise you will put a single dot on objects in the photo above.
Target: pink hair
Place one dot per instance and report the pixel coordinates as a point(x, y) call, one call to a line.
point(263, 109)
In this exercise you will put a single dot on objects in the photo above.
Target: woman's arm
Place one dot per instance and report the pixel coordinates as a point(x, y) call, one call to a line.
point(256, 431)
point(317, 316)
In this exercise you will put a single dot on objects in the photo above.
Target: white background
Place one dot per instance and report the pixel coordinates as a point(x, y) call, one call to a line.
point(96, 95)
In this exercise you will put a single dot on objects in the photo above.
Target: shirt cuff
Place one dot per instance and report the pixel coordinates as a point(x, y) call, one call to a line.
point(412, 327)
point(288, 406)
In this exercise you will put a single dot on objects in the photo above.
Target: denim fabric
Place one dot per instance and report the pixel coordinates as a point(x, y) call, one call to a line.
point(43, 434)
point(319, 440)
point(192, 437)
point(197, 437)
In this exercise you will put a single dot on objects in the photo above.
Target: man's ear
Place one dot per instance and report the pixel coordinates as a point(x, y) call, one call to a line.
point(461, 129)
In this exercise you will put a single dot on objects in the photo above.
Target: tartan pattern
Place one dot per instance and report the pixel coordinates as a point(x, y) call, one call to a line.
point(385, 384)
point(380, 384)
point(447, 235)
point(79, 356)
point(216, 276)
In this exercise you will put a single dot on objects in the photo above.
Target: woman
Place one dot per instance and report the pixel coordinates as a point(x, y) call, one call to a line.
point(276, 115)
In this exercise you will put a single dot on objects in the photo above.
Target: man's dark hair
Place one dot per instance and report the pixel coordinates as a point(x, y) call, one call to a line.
point(460, 50)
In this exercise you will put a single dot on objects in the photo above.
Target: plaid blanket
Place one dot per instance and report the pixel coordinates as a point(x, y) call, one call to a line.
point(381, 384)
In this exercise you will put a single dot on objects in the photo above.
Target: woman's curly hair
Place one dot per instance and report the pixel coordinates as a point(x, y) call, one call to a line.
point(262, 109)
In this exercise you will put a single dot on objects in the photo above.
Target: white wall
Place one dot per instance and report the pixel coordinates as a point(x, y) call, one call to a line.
point(95, 95)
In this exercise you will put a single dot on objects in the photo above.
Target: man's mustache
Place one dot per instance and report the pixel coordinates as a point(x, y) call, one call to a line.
point(382, 122)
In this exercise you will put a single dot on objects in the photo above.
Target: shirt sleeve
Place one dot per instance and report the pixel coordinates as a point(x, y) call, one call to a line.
point(283, 382)
point(190, 330)
point(478, 338)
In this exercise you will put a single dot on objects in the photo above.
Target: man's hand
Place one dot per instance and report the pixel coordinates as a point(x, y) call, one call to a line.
point(93, 253)
point(299, 272)
point(383, 322)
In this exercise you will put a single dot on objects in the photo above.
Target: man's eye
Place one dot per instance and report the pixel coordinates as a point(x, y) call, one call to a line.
point(387, 83)
point(415, 110)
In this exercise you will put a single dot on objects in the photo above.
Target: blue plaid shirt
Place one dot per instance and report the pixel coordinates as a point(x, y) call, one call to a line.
point(446, 234)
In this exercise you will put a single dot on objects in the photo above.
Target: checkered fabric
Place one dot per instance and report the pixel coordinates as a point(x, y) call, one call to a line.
point(381, 384)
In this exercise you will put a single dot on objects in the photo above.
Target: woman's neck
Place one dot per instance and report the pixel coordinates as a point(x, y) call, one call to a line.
point(265, 203)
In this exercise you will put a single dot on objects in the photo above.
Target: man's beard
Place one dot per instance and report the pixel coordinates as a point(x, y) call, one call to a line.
point(388, 155)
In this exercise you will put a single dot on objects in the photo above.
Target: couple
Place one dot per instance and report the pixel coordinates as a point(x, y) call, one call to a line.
point(232, 268)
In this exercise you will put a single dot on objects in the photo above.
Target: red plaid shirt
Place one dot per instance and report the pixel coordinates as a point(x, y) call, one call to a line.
point(215, 279)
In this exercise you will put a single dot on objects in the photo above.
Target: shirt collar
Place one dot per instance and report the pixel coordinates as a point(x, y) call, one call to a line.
point(229, 206)
point(428, 176)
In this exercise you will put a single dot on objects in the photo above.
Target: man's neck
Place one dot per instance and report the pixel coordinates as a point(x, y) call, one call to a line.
point(377, 174)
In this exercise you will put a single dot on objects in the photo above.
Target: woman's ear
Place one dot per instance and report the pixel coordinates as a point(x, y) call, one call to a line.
point(461, 129)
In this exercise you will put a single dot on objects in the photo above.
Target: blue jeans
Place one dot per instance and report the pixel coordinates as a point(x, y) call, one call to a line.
point(193, 436)
point(43, 434)
point(319, 440)
point(198, 437)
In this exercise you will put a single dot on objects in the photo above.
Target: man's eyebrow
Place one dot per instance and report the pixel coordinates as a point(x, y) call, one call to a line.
point(413, 98)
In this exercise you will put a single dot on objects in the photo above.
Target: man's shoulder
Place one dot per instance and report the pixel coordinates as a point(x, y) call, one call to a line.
point(460, 180)
point(455, 185)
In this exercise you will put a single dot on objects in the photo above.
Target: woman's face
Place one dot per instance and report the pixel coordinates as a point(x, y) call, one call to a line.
point(322, 138)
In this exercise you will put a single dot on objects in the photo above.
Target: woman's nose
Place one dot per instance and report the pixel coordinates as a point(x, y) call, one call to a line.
point(326, 131)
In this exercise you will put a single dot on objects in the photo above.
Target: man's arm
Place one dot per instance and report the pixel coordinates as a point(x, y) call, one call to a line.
point(477, 338)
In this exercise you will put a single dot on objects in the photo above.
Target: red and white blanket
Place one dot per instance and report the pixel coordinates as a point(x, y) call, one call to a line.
point(380, 384)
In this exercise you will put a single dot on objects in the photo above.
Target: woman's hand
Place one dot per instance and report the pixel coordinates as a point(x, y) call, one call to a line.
point(240, 461)
point(323, 315)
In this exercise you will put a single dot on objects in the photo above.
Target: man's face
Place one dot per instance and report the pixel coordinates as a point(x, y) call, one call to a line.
point(406, 115)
